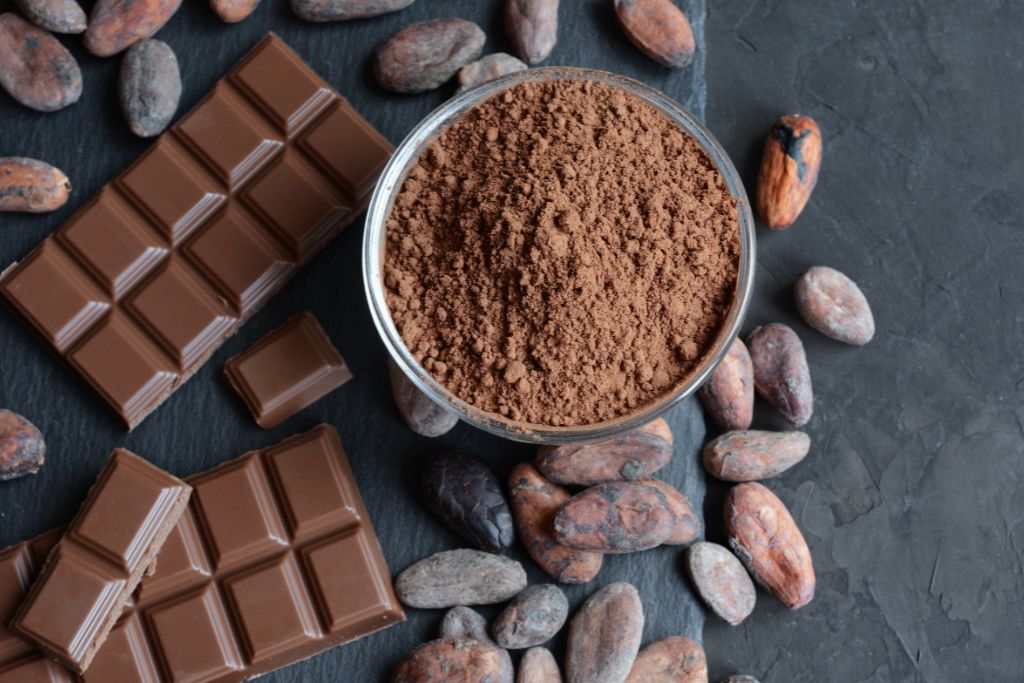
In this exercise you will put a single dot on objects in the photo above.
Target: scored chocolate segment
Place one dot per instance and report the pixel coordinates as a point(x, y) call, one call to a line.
point(172, 257)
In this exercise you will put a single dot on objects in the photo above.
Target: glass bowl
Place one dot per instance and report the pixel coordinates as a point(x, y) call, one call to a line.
point(394, 175)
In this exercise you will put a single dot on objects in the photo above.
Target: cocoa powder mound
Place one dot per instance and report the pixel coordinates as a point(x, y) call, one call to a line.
point(562, 254)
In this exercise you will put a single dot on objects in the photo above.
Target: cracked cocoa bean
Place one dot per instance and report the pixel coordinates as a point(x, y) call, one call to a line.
point(535, 501)
point(633, 455)
point(728, 395)
point(487, 69)
point(617, 517)
point(31, 185)
point(754, 455)
point(464, 622)
point(532, 26)
point(659, 29)
point(58, 16)
point(789, 170)
point(833, 304)
point(688, 525)
point(460, 577)
point(721, 581)
point(532, 618)
point(22, 448)
point(765, 538)
point(463, 491)
point(116, 25)
point(422, 415)
point(343, 10)
point(671, 660)
point(781, 375)
point(35, 69)
point(604, 636)
point(423, 56)
point(233, 11)
point(150, 87)
point(450, 660)
point(538, 665)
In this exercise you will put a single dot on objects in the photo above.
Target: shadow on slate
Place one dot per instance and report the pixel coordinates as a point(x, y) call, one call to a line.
point(204, 423)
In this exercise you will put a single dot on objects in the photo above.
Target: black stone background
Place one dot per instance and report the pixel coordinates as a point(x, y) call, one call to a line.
point(910, 499)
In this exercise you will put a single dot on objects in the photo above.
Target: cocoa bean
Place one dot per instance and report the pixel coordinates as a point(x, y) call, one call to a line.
point(538, 665)
point(728, 395)
point(617, 517)
point(633, 455)
point(488, 68)
point(604, 636)
point(833, 304)
point(535, 501)
point(532, 26)
point(116, 25)
point(463, 622)
point(754, 455)
point(421, 414)
point(150, 87)
point(460, 577)
point(688, 525)
point(233, 11)
point(35, 69)
point(532, 618)
point(31, 185)
point(672, 660)
point(721, 581)
point(423, 56)
point(450, 660)
point(781, 375)
point(58, 16)
point(789, 170)
point(659, 29)
point(764, 536)
point(22, 448)
point(343, 10)
point(465, 494)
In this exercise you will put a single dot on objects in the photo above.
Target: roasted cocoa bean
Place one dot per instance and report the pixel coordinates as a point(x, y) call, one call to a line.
point(116, 25)
point(425, 55)
point(22, 448)
point(535, 501)
point(617, 517)
point(781, 375)
point(633, 455)
point(463, 622)
point(35, 69)
point(150, 87)
point(58, 16)
point(833, 304)
point(538, 665)
point(728, 395)
point(233, 11)
point(754, 455)
point(532, 618)
point(460, 577)
point(659, 29)
point(765, 538)
point(532, 26)
point(604, 636)
point(789, 170)
point(342, 10)
point(672, 660)
point(31, 185)
point(450, 660)
point(488, 68)
point(422, 415)
point(721, 581)
point(463, 491)
point(688, 525)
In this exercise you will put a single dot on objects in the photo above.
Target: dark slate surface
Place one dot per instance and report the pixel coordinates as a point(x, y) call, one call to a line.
point(204, 423)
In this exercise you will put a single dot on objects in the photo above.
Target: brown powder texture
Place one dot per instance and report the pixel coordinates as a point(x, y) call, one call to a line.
point(561, 255)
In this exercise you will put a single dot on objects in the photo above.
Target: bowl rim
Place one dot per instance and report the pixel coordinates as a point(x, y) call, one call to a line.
point(408, 152)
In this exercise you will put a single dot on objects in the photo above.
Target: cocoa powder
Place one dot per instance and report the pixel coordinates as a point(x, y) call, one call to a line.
point(562, 254)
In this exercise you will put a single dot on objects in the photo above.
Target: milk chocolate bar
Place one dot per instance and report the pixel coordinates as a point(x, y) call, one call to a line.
point(147, 280)
point(290, 369)
point(92, 572)
point(274, 560)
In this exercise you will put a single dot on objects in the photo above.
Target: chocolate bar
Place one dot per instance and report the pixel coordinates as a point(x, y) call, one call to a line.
point(274, 560)
point(147, 280)
point(291, 368)
point(93, 571)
